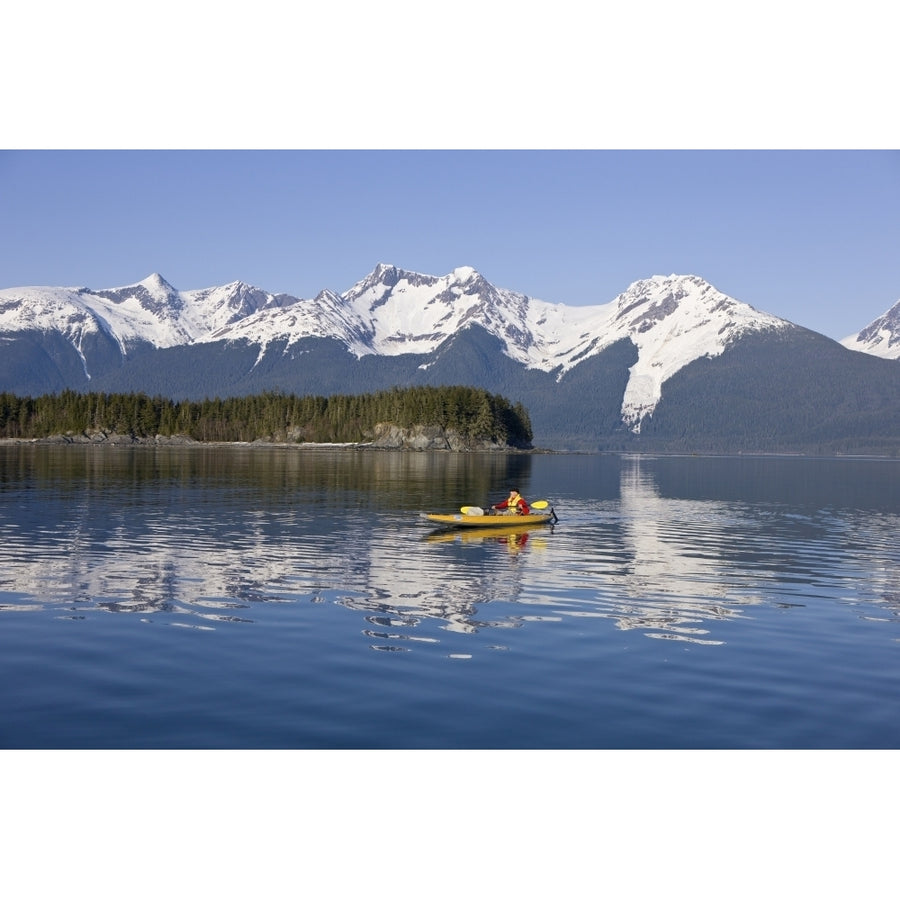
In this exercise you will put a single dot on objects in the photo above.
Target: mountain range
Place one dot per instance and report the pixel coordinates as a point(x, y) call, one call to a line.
point(670, 364)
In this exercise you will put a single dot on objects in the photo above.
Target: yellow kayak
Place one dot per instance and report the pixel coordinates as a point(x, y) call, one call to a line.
point(462, 520)
point(510, 532)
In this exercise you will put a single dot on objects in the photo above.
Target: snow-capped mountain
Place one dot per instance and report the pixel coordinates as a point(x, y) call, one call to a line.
point(392, 312)
point(881, 337)
point(672, 320)
point(151, 311)
point(670, 361)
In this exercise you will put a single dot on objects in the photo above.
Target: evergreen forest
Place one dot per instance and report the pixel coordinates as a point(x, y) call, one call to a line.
point(473, 413)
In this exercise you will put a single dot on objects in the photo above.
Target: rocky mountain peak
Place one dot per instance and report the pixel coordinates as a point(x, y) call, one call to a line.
point(880, 337)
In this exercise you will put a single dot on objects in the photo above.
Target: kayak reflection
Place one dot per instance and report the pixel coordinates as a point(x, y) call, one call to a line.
point(514, 537)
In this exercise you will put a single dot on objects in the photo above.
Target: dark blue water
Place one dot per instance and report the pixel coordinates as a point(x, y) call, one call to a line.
point(279, 598)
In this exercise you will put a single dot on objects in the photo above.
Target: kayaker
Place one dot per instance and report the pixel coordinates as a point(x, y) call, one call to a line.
point(513, 505)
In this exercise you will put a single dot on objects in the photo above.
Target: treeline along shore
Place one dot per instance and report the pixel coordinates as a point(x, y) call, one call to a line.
point(469, 418)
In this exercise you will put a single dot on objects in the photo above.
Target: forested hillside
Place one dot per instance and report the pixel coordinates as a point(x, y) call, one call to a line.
point(471, 412)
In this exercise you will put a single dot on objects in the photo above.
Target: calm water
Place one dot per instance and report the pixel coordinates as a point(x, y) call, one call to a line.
point(272, 597)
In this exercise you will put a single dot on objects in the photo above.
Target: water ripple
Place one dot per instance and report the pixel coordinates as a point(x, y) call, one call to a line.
point(298, 600)
point(666, 566)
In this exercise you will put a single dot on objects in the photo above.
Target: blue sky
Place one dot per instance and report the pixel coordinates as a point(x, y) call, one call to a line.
point(562, 155)
point(812, 236)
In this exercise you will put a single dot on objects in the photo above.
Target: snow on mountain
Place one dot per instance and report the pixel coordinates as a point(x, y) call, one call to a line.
point(60, 310)
point(211, 309)
point(324, 316)
point(881, 337)
point(46, 309)
point(150, 311)
point(406, 312)
point(392, 312)
point(672, 320)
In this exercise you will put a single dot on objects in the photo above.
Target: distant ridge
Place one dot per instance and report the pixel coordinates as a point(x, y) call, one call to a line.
point(601, 376)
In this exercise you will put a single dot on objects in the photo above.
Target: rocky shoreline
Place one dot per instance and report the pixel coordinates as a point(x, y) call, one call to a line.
point(386, 437)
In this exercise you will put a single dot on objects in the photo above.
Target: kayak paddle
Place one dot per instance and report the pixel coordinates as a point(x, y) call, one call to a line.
point(478, 511)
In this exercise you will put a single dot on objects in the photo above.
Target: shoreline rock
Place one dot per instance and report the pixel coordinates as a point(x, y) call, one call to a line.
point(418, 438)
point(429, 437)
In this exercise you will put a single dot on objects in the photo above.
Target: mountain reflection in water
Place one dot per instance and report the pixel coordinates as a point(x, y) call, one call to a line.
point(265, 597)
point(206, 538)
